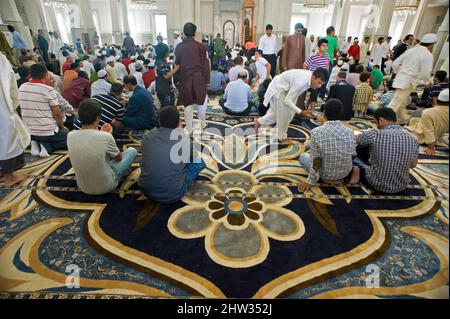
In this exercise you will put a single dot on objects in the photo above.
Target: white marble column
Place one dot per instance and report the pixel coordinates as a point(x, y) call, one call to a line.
point(204, 18)
point(179, 12)
point(117, 32)
point(442, 39)
point(380, 19)
point(10, 15)
point(86, 23)
point(344, 16)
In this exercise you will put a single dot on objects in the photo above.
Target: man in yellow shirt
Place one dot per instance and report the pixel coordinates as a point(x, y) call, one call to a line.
point(431, 127)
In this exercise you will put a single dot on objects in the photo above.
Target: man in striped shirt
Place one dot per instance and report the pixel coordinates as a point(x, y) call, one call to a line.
point(41, 114)
point(111, 107)
point(321, 60)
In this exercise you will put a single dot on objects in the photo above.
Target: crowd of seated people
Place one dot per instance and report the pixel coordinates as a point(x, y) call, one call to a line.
point(81, 101)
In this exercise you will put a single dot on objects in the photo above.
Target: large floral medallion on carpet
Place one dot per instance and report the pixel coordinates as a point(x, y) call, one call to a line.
point(243, 230)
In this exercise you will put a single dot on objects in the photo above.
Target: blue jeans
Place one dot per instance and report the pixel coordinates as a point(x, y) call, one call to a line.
point(362, 169)
point(193, 170)
point(120, 168)
point(305, 161)
point(323, 89)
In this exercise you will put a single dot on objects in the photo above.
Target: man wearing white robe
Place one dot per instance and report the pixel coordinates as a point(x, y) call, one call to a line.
point(378, 52)
point(282, 95)
point(411, 67)
point(15, 137)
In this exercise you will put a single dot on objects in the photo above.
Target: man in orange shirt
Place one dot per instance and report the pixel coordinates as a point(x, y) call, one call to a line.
point(71, 74)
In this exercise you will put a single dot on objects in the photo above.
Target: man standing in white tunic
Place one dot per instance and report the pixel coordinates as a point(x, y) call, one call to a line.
point(15, 137)
point(378, 52)
point(268, 45)
point(282, 95)
point(176, 40)
point(414, 65)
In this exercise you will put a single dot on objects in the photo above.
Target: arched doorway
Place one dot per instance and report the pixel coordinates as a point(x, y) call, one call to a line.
point(229, 32)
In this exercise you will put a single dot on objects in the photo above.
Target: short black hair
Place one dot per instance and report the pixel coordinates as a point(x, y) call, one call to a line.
point(65, 53)
point(10, 28)
point(74, 65)
point(97, 67)
point(364, 76)
point(386, 113)
point(260, 51)
point(169, 117)
point(214, 67)
point(408, 36)
point(49, 67)
point(269, 27)
point(333, 109)
point(189, 29)
point(238, 60)
point(359, 68)
point(38, 71)
point(380, 38)
point(23, 71)
point(88, 111)
point(321, 74)
point(441, 76)
point(342, 75)
point(322, 41)
point(242, 75)
point(129, 79)
point(117, 88)
point(305, 32)
point(376, 66)
point(330, 29)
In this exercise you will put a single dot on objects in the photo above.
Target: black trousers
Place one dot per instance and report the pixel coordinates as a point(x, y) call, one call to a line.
point(53, 142)
point(229, 112)
point(272, 59)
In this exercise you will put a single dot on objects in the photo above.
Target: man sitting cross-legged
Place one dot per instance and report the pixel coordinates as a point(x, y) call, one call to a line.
point(99, 166)
point(165, 174)
point(237, 99)
point(332, 150)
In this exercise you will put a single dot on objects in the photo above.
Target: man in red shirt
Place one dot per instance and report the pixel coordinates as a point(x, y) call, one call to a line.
point(78, 90)
point(355, 50)
point(126, 61)
point(150, 75)
point(66, 65)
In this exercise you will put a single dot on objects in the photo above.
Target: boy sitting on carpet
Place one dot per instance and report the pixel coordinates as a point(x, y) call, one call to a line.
point(99, 166)
point(332, 150)
point(167, 179)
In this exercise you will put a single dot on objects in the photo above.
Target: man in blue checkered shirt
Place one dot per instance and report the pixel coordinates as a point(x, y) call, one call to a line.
point(393, 152)
point(332, 150)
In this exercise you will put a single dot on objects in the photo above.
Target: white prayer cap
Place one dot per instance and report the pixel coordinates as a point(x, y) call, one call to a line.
point(99, 54)
point(176, 32)
point(340, 62)
point(118, 57)
point(429, 38)
point(110, 59)
point(101, 74)
point(345, 67)
point(253, 58)
point(152, 63)
point(443, 96)
point(133, 58)
point(104, 52)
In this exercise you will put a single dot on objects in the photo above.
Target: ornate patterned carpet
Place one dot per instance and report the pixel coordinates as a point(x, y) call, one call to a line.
point(271, 242)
